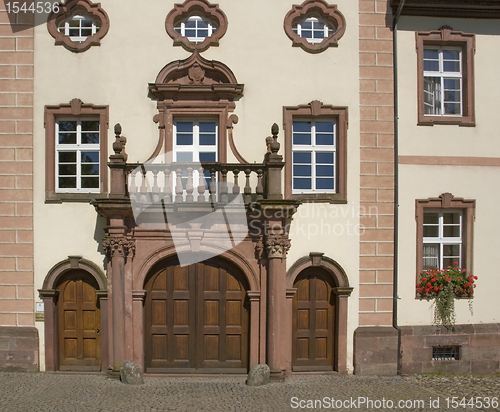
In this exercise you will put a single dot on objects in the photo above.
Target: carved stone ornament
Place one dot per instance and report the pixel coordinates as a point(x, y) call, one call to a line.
point(277, 246)
point(119, 246)
point(259, 248)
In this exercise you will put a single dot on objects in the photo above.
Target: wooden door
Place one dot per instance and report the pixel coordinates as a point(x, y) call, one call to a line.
point(79, 321)
point(313, 322)
point(196, 319)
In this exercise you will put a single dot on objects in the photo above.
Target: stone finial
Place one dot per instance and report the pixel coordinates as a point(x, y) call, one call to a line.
point(275, 146)
point(117, 144)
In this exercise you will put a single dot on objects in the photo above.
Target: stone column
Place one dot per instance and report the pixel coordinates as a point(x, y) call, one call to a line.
point(290, 293)
point(342, 295)
point(49, 297)
point(254, 298)
point(117, 248)
point(138, 297)
point(276, 248)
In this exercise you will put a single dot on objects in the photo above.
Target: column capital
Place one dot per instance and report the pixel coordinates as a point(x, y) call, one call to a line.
point(119, 246)
point(277, 246)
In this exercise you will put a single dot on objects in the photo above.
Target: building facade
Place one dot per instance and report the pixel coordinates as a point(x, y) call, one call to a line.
point(248, 216)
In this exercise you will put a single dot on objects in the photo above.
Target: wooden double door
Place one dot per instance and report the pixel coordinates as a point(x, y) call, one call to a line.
point(196, 319)
point(79, 322)
point(313, 329)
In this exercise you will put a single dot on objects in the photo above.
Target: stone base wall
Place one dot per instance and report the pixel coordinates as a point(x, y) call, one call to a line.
point(375, 350)
point(19, 349)
point(479, 348)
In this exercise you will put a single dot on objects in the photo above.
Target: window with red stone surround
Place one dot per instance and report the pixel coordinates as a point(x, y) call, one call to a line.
point(446, 202)
point(314, 25)
point(196, 24)
point(317, 112)
point(79, 111)
point(78, 25)
point(447, 40)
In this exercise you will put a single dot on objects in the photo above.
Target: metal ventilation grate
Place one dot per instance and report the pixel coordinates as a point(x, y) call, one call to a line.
point(446, 352)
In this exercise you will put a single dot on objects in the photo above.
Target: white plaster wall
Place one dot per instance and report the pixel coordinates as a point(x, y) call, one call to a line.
point(451, 140)
point(257, 50)
point(422, 182)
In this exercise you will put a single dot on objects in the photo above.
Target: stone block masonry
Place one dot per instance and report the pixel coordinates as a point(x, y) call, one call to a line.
point(17, 330)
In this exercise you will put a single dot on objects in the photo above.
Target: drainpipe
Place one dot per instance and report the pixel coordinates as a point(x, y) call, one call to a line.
point(396, 180)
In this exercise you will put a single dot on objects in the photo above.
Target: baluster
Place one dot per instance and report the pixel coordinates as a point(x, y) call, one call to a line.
point(201, 185)
point(189, 185)
point(260, 189)
point(178, 187)
point(223, 187)
point(213, 186)
point(144, 188)
point(167, 189)
point(155, 189)
point(248, 189)
point(236, 187)
point(132, 189)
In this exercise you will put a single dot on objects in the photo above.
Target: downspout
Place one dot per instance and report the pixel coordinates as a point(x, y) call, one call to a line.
point(396, 181)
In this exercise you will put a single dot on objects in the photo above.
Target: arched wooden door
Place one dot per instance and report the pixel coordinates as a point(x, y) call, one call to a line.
point(79, 322)
point(313, 329)
point(196, 319)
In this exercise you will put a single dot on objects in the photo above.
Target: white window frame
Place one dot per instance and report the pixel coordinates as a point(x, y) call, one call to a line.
point(65, 28)
point(181, 27)
point(327, 31)
point(441, 240)
point(442, 75)
point(313, 148)
point(78, 147)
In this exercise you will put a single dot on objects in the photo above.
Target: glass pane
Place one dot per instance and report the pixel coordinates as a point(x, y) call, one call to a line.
point(452, 84)
point(302, 127)
point(431, 54)
point(452, 108)
point(90, 157)
point(202, 33)
point(86, 23)
point(67, 169)
point(431, 65)
point(306, 33)
point(324, 171)
point(451, 231)
point(448, 261)
point(302, 183)
point(67, 126)
point(67, 138)
point(191, 23)
point(431, 231)
point(207, 127)
point(432, 99)
point(451, 54)
point(431, 218)
point(202, 24)
point(184, 156)
point(184, 127)
point(324, 184)
point(207, 139)
point(319, 34)
point(90, 182)
point(324, 127)
point(451, 66)
point(75, 22)
point(306, 24)
point(302, 170)
point(451, 96)
point(190, 33)
point(185, 139)
point(451, 218)
point(90, 169)
point(451, 250)
point(208, 157)
point(90, 126)
point(86, 32)
point(74, 32)
point(67, 182)
point(302, 138)
point(67, 157)
point(324, 157)
point(90, 138)
point(302, 157)
point(431, 256)
point(324, 139)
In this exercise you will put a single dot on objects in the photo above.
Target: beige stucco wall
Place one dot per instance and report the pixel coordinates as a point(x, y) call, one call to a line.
point(261, 56)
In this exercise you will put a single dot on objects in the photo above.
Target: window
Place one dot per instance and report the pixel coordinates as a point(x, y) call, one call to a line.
point(315, 152)
point(196, 24)
point(314, 29)
point(196, 28)
point(442, 239)
point(77, 155)
point(314, 25)
point(195, 141)
point(313, 157)
point(76, 151)
point(78, 25)
point(445, 82)
point(444, 232)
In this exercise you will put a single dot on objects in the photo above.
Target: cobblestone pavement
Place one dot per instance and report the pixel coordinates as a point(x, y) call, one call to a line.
point(72, 392)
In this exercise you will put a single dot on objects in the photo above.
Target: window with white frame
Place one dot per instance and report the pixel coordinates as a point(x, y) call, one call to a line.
point(314, 29)
point(443, 81)
point(313, 156)
point(77, 155)
point(79, 27)
point(196, 28)
point(442, 239)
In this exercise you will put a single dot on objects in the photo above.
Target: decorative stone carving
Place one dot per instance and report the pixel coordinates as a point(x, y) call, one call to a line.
point(259, 248)
point(120, 246)
point(277, 246)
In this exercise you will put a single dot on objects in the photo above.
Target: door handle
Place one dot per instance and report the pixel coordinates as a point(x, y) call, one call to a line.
point(97, 331)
